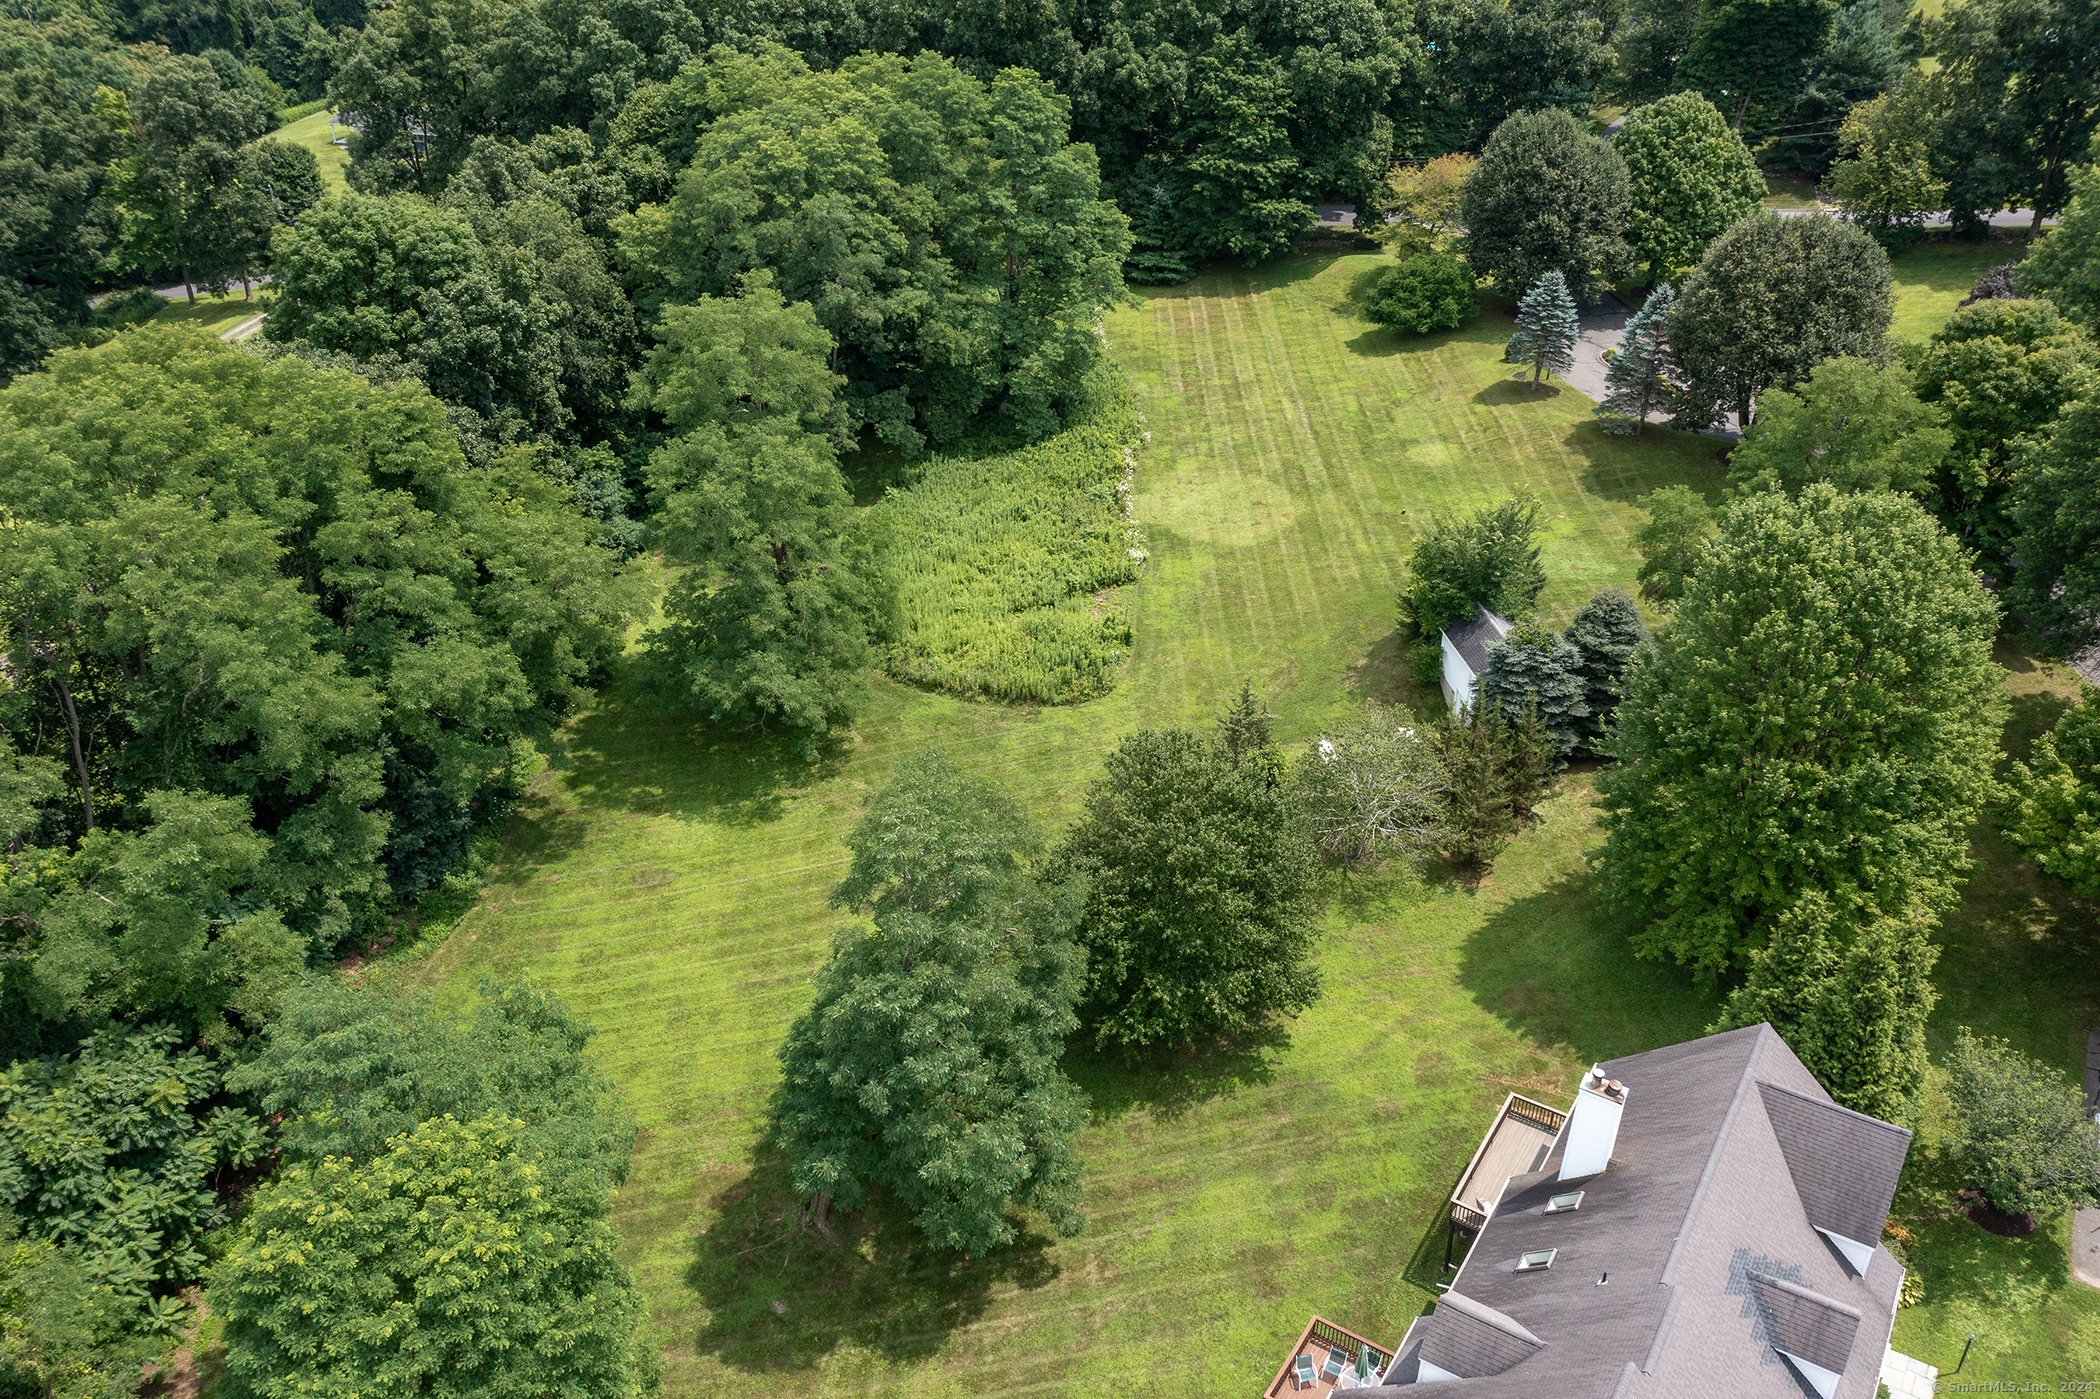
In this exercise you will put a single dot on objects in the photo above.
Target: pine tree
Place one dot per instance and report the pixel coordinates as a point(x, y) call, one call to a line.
point(1531, 759)
point(1546, 321)
point(1474, 750)
point(1247, 726)
point(1607, 631)
point(1534, 665)
point(1637, 381)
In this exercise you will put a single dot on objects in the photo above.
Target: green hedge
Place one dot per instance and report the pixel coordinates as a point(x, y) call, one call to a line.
point(1001, 562)
point(300, 113)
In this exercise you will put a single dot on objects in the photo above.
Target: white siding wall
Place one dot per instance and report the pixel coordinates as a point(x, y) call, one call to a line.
point(1458, 676)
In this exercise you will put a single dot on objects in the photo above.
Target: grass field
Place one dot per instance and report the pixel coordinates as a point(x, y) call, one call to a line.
point(669, 881)
point(1932, 278)
point(220, 314)
point(312, 133)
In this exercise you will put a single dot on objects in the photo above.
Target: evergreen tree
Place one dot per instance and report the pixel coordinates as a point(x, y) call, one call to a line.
point(1247, 726)
point(928, 1063)
point(1473, 746)
point(1690, 177)
point(1822, 715)
point(2058, 815)
point(1637, 381)
point(1201, 885)
point(1853, 1010)
point(1547, 323)
point(1606, 631)
point(1535, 666)
point(1530, 761)
point(1749, 56)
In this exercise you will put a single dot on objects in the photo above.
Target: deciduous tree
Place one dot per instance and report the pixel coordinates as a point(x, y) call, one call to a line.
point(2057, 817)
point(1372, 788)
point(1429, 291)
point(2055, 506)
point(1546, 196)
point(1200, 893)
point(1821, 715)
point(2021, 1130)
point(1490, 557)
point(2064, 264)
point(1680, 525)
point(1853, 425)
point(1884, 176)
point(1690, 178)
point(1750, 56)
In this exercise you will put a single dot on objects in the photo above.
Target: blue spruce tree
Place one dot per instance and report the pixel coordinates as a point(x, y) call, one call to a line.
point(1546, 330)
point(1535, 666)
point(1637, 381)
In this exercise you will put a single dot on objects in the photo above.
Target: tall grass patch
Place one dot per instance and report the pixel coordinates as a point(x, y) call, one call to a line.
point(1004, 564)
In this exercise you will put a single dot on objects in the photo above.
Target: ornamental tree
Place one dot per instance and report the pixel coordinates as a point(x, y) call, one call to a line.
point(1690, 177)
point(1426, 292)
point(2000, 369)
point(2057, 817)
point(1547, 329)
point(928, 1062)
point(1858, 427)
point(1637, 381)
point(1853, 1007)
point(2021, 1130)
point(1371, 789)
point(1821, 716)
point(1772, 299)
point(1201, 884)
point(1546, 196)
point(454, 1262)
point(1420, 204)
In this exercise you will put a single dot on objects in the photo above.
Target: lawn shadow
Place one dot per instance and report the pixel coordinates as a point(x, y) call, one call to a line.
point(626, 755)
point(1383, 675)
point(1507, 391)
point(782, 1294)
point(1359, 290)
point(1167, 1083)
point(1558, 968)
point(1627, 468)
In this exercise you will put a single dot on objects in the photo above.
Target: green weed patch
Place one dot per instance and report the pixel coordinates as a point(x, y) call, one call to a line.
point(1004, 564)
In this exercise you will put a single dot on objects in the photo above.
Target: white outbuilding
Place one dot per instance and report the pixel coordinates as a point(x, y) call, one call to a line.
point(1466, 646)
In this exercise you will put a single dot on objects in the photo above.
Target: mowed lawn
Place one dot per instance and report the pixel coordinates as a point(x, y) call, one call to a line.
point(670, 882)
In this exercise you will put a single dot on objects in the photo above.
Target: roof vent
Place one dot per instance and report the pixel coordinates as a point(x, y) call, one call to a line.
point(1593, 1125)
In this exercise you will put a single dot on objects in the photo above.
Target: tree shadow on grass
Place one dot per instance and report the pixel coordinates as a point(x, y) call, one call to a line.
point(1507, 391)
point(782, 1294)
point(1558, 968)
point(1166, 1083)
point(627, 755)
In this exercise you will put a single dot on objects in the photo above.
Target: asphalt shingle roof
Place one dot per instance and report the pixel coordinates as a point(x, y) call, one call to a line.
point(1472, 637)
point(1672, 1277)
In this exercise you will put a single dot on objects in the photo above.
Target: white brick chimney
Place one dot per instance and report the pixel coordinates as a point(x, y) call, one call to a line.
point(1593, 1125)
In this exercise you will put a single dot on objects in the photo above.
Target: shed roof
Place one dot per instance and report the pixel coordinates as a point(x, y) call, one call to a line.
point(1472, 638)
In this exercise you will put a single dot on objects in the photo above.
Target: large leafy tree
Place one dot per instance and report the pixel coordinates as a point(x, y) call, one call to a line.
point(258, 580)
point(1821, 716)
point(1490, 557)
point(2058, 812)
point(1772, 299)
point(61, 1336)
point(2000, 370)
point(2021, 1130)
point(1690, 177)
point(1671, 542)
point(767, 624)
point(1546, 196)
point(1884, 177)
point(1858, 427)
point(2055, 507)
point(115, 1151)
point(1749, 56)
point(60, 132)
point(2019, 99)
point(2064, 265)
point(1867, 55)
point(1853, 1008)
point(949, 236)
point(1200, 892)
point(928, 1063)
point(1490, 59)
point(1238, 173)
point(454, 1262)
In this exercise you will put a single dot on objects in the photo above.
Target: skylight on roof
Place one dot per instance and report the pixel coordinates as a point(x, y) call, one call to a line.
point(1537, 1260)
point(1561, 1204)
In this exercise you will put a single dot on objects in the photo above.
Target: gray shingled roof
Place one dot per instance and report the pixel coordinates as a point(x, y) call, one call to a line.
point(1845, 1164)
point(1472, 637)
point(1673, 1276)
point(1470, 1339)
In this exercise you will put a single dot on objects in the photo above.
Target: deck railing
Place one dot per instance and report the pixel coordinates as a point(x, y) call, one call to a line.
point(1537, 1114)
point(1325, 1332)
point(1525, 1110)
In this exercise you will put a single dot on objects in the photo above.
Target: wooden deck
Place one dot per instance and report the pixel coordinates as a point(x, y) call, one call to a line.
point(1517, 1142)
point(1321, 1335)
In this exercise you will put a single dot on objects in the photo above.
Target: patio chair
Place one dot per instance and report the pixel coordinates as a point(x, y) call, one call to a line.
point(1308, 1373)
point(1337, 1361)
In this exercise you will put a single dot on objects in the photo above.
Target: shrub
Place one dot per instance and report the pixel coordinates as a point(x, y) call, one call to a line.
point(1370, 789)
point(1000, 562)
point(1429, 291)
point(1490, 557)
point(2021, 1131)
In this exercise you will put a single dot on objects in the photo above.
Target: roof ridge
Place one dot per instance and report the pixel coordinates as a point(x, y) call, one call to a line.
point(1713, 1157)
point(1488, 1316)
point(1807, 1294)
point(1834, 1106)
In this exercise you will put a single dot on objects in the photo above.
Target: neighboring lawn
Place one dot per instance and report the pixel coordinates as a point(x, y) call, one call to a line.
point(312, 133)
point(218, 314)
point(669, 881)
point(1932, 278)
point(1790, 189)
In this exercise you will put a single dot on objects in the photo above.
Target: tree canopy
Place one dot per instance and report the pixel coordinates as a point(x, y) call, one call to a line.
point(1546, 196)
point(1821, 716)
point(1689, 178)
point(1855, 426)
